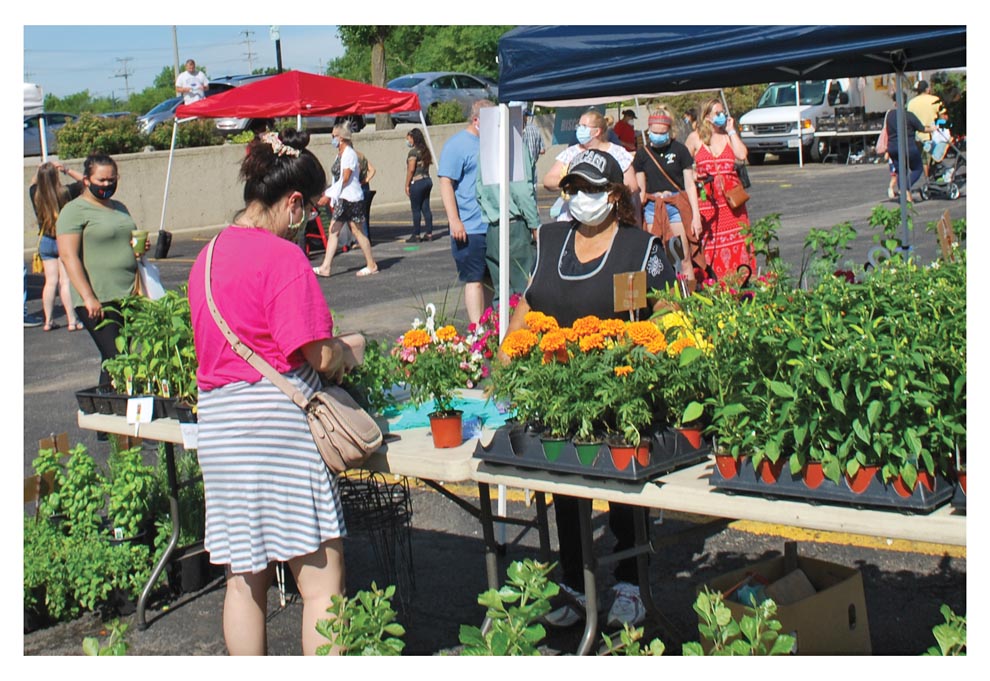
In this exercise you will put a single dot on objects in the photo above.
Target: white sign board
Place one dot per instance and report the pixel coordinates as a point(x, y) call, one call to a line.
point(489, 145)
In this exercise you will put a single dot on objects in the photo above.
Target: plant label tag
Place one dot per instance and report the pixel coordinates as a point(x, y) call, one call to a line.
point(629, 290)
point(190, 435)
point(118, 533)
point(140, 409)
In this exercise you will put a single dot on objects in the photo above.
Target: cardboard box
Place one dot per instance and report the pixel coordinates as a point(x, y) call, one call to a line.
point(832, 621)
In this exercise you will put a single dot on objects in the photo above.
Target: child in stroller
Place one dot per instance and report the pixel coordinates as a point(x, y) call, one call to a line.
point(944, 178)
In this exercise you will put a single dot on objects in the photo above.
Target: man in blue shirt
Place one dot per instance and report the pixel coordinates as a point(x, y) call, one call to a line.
point(458, 171)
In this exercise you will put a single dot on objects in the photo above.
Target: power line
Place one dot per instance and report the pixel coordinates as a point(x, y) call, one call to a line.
point(250, 54)
point(125, 74)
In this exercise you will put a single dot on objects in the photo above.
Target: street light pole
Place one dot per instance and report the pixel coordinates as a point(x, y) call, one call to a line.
point(273, 32)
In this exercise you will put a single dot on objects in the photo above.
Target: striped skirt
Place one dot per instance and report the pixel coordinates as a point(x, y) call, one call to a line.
point(269, 496)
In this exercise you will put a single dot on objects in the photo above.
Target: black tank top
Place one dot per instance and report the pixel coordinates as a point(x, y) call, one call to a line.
point(568, 289)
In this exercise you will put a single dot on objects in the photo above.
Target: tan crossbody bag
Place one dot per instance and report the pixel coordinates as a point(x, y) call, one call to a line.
point(344, 433)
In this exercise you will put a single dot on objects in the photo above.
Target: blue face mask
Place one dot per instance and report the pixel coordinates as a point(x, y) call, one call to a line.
point(583, 133)
point(335, 142)
point(719, 119)
point(658, 139)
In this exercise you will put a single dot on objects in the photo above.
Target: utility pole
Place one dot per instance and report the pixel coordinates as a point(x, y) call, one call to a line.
point(250, 55)
point(125, 74)
point(274, 34)
point(175, 49)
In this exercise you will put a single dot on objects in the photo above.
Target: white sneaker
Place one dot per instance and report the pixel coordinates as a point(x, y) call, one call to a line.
point(571, 612)
point(627, 607)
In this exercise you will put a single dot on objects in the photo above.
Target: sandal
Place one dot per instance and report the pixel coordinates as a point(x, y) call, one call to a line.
point(78, 326)
point(316, 271)
point(365, 272)
point(427, 237)
point(51, 325)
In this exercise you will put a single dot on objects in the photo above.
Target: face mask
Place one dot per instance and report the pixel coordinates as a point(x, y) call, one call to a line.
point(583, 133)
point(104, 192)
point(658, 139)
point(719, 119)
point(590, 209)
point(335, 142)
point(409, 144)
point(292, 231)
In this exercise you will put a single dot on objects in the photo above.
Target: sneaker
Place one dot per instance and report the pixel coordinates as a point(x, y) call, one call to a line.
point(627, 606)
point(570, 613)
point(32, 320)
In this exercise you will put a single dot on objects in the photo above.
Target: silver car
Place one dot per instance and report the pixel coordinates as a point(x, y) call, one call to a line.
point(433, 87)
point(32, 131)
point(160, 113)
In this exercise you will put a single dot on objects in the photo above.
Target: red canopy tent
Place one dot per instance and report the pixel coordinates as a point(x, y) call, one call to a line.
point(293, 93)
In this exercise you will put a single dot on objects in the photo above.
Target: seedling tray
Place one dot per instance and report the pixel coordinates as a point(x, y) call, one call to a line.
point(959, 499)
point(877, 494)
point(514, 445)
point(103, 400)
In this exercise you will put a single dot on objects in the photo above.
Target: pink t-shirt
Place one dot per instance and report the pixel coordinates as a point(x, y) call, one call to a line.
point(265, 288)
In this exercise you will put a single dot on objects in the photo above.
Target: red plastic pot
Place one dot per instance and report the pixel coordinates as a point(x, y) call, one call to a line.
point(769, 471)
point(961, 477)
point(446, 430)
point(727, 466)
point(622, 455)
point(861, 481)
point(693, 436)
point(813, 474)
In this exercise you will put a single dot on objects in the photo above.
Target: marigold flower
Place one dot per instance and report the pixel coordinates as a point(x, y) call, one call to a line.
point(657, 346)
point(623, 370)
point(642, 333)
point(416, 338)
point(559, 355)
point(539, 322)
point(672, 319)
point(519, 343)
point(612, 328)
point(446, 333)
point(585, 326)
point(595, 341)
point(675, 348)
point(553, 341)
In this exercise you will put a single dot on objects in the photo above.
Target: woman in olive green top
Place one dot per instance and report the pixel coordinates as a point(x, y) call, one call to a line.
point(94, 243)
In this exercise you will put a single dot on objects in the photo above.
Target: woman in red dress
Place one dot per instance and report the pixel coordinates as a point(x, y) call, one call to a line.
point(716, 147)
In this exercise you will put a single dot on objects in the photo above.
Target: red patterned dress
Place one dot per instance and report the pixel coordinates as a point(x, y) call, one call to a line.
point(725, 246)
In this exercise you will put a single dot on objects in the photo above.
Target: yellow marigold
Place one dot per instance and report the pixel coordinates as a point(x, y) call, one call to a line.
point(446, 333)
point(623, 371)
point(539, 322)
point(595, 341)
point(553, 341)
point(675, 348)
point(415, 338)
point(672, 319)
point(585, 326)
point(642, 333)
point(612, 328)
point(658, 345)
point(519, 343)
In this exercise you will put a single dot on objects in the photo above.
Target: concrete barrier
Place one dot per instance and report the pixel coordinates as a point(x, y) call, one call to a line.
point(205, 192)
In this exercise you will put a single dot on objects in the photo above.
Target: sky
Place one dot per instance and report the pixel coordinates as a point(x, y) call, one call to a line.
point(109, 60)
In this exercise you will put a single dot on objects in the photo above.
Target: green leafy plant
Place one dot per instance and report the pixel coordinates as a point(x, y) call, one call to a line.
point(129, 487)
point(889, 222)
point(115, 645)
point(513, 611)
point(630, 644)
point(755, 634)
point(824, 248)
point(242, 137)
point(78, 490)
point(91, 133)
point(371, 381)
point(363, 625)
point(950, 636)
point(442, 113)
point(197, 133)
point(762, 237)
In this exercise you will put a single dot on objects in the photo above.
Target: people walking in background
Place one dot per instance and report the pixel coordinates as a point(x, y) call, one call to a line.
point(419, 185)
point(347, 203)
point(914, 162)
point(458, 171)
point(533, 139)
point(94, 243)
point(269, 495)
point(610, 132)
point(716, 147)
point(625, 130)
point(191, 84)
point(48, 196)
point(925, 106)
point(689, 123)
point(367, 173)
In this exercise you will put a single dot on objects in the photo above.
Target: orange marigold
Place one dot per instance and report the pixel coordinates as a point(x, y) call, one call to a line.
point(519, 343)
point(623, 371)
point(595, 341)
point(612, 328)
point(585, 326)
point(539, 322)
point(553, 341)
point(642, 333)
point(415, 338)
point(675, 348)
point(657, 346)
point(446, 333)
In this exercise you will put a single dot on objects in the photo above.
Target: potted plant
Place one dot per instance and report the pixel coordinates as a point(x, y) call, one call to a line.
point(129, 490)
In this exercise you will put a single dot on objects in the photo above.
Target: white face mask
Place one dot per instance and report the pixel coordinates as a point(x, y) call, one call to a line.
point(590, 209)
point(292, 231)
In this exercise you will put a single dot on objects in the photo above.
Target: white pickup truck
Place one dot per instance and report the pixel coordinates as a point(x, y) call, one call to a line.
point(772, 127)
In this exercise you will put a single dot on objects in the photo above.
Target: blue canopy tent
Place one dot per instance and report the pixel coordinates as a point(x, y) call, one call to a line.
point(553, 63)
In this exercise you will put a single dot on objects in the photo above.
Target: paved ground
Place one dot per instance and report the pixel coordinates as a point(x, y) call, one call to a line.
point(905, 583)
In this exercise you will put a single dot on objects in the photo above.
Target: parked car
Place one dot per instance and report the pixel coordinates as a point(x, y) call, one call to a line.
point(115, 114)
point(165, 111)
point(434, 87)
point(32, 131)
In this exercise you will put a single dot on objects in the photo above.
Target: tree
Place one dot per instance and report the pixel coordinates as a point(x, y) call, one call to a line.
point(373, 37)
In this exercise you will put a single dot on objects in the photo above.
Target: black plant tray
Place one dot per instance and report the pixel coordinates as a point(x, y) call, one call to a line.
point(877, 494)
point(103, 400)
point(514, 445)
point(959, 499)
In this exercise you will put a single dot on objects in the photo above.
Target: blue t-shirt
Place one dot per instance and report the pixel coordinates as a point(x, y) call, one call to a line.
point(459, 162)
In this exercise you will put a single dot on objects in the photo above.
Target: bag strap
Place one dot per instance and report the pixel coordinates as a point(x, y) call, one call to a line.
point(242, 350)
point(660, 167)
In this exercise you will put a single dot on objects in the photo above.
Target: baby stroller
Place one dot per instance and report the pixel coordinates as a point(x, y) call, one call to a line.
point(946, 177)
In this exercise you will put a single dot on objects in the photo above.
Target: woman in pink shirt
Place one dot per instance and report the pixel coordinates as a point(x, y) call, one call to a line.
point(269, 496)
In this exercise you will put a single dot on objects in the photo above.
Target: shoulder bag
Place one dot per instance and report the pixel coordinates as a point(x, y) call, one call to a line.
point(882, 140)
point(344, 433)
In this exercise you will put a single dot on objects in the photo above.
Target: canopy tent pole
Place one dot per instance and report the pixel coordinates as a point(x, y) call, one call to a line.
point(797, 100)
point(43, 136)
point(902, 156)
point(168, 171)
point(503, 256)
point(429, 142)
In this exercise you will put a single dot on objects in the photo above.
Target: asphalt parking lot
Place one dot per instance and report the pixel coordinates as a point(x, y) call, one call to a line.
point(905, 584)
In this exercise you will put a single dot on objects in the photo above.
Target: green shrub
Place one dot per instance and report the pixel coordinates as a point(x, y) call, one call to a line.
point(198, 133)
point(442, 113)
point(92, 133)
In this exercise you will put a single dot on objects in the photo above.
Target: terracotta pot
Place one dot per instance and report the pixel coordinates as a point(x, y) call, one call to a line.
point(553, 447)
point(622, 455)
point(446, 429)
point(813, 474)
point(587, 452)
point(727, 466)
point(769, 471)
point(693, 436)
point(861, 481)
point(961, 477)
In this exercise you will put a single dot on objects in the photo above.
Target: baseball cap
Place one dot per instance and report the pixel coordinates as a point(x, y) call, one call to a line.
point(629, 112)
point(921, 86)
point(594, 166)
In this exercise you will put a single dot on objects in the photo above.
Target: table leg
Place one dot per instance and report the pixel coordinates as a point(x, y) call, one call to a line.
point(491, 547)
point(590, 590)
point(642, 537)
point(544, 527)
point(173, 505)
